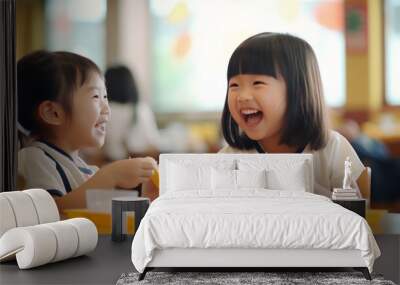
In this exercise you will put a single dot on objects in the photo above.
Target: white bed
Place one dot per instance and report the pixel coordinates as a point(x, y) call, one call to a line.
point(202, 219)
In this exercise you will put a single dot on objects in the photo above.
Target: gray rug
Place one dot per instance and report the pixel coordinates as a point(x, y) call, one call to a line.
point(228, 278)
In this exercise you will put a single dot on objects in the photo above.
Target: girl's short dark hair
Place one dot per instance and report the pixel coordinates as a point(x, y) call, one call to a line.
point(54, 76)
point(121, 86)
point(275, 54)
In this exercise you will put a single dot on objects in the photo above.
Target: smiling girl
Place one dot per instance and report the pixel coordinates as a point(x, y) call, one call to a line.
point(275, 104)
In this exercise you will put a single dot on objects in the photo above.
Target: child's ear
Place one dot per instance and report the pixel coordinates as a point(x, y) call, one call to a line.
point(51, 113)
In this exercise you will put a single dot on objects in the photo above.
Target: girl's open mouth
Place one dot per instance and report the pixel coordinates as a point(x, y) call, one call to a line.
point(251, 117)
point(101, 127)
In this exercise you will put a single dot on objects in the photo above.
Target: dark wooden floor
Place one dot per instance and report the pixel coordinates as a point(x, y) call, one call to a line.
point(106, 264)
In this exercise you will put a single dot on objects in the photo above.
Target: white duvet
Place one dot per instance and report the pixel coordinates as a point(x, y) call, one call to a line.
point(250, 219)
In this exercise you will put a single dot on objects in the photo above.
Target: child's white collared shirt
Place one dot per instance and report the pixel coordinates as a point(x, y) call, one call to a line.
point(328, 163)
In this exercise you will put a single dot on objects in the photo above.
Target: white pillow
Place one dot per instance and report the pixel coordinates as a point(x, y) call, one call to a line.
point(223, 179)
point(293, 179)
point(235, 179)
point(181, 177)
point(281, 174)
point(251, 178)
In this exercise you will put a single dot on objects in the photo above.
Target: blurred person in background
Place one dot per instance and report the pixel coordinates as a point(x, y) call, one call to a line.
point(132, 128)
point(385, 173)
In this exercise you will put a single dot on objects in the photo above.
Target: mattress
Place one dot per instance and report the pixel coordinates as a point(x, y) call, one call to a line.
point(250, 219)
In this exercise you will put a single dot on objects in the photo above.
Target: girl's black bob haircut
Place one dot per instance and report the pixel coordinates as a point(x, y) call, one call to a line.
point(275, 54)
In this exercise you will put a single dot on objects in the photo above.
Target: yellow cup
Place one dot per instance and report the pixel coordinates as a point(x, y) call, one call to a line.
point(155, 179)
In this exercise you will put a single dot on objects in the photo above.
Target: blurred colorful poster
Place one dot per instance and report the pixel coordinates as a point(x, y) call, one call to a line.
point(192, 41)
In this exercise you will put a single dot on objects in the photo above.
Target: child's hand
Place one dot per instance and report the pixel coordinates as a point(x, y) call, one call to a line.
point(129, 173)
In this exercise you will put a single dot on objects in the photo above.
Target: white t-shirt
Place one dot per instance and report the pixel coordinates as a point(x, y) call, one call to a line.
point(124, 135)
point(45, 166)
point(328, 163)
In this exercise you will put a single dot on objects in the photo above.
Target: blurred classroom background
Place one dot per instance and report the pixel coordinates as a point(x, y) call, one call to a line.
point(171, 57)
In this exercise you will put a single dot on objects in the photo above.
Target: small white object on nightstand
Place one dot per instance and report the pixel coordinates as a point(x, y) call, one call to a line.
point(347, 192)
point(347, 174)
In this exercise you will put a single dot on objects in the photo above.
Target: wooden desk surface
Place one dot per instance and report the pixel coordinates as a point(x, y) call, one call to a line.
point(104, 265)
point(373, 131)
point(391, 139)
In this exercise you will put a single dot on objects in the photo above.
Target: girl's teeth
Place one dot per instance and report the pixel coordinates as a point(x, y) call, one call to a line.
point(249, 112)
